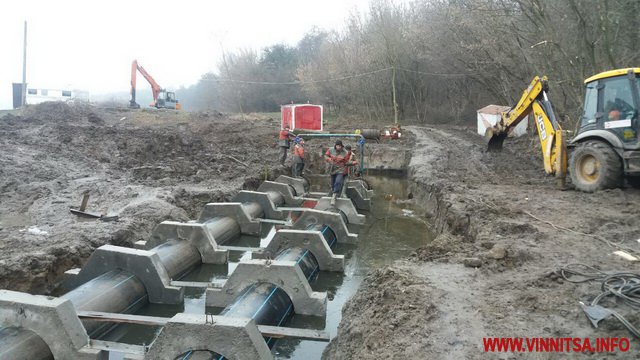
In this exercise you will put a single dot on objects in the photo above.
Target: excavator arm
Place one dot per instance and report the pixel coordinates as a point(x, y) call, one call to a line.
point(534, 101)
point(155, 88)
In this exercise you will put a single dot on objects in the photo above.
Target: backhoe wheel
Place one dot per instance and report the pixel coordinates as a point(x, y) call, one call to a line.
point(594, 165)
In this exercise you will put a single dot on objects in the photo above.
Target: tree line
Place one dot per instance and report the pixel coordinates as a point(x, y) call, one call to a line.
point(432, 60)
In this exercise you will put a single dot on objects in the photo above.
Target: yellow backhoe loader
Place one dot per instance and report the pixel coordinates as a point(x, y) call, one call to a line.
point(606, 148)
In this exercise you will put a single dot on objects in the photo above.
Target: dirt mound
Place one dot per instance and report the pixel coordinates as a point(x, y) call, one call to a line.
point(389, 303)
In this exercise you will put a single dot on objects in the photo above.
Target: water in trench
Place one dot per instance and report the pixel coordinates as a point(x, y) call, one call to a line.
point(393, 229)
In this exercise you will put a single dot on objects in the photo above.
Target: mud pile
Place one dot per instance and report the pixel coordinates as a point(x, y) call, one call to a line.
point(141, 165)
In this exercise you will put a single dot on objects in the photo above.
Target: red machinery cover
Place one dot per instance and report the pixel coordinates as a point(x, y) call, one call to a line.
point(302, 116)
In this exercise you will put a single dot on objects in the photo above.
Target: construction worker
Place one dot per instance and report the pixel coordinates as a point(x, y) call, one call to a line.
point(284, 143)
point(351, 166)
point(298, 157)
point(337, 157)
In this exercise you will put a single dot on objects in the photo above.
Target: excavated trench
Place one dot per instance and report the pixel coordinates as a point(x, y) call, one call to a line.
point(394, 229)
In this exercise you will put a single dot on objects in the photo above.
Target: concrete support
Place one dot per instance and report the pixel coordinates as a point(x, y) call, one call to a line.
point(234, 338)
point(195, 233)
point(345, 205)
point(54, 320)
point(269, 208)
point(283, 274)
point(361, 197)
point(300, 185)
point(237, 211)
point(145, 265)
point(287, 191)
point(333, 220)
point(313, 241)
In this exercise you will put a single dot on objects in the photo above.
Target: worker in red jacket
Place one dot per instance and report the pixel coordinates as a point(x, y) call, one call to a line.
point(298, 157)
point(284, 143)
point(337, 157)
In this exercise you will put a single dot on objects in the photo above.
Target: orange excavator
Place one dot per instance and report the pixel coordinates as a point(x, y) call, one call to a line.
point(162, 99)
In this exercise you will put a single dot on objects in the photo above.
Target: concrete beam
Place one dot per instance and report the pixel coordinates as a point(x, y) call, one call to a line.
point(54, 320)
point(145, 265)
point(283, 274)
point(234, 338)
point(313, 241)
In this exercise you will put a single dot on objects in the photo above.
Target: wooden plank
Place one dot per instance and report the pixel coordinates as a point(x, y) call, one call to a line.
point(199, 284)
point(281, 332)
point(116, 346)
point(123, 318)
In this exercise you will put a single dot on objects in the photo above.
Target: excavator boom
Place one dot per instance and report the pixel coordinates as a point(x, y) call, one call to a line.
point(168, 98)
point(534, 101)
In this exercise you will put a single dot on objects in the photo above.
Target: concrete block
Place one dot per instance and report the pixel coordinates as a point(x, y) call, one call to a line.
point(345, 205)
point(145, 265)
point(332, 219)
point(195, 233)
point(313, 241)
point(300, 185)
point(234, 210)
point(54, 320)
point(268, 207)
point(235, 338)
point(358, 194)
point(286, 190)
point(283, 274)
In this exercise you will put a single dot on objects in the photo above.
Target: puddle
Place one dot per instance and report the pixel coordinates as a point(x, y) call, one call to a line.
point(393, 230)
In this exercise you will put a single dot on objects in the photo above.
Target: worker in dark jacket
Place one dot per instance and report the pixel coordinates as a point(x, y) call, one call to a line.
point(283, 143)
point(298, 157)
point(337, 157)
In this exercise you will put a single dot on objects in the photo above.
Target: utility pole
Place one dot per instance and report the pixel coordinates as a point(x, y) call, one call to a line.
point(395, 103)
point(24, 67)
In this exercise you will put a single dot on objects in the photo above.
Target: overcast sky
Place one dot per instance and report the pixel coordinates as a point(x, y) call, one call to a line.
point(90, 44)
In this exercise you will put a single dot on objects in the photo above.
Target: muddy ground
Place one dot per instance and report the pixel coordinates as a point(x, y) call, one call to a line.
point(514, 228)
point(144, 166)
point(496, 212)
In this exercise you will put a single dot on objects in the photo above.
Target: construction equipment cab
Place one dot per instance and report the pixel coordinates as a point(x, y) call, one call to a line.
point(161, 97)
point(606, 148)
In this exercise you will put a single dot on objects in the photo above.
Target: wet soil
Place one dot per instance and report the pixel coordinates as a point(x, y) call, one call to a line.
point(144, 166)
point(500, 214)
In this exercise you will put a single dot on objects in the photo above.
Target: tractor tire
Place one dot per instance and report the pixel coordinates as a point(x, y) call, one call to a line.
point(594, 165)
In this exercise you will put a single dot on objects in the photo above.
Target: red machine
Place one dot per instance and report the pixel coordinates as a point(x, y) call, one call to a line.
point(302, 116)
point(161, 97)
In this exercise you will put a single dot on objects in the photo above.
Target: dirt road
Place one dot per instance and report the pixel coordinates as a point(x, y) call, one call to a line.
point(513, 228)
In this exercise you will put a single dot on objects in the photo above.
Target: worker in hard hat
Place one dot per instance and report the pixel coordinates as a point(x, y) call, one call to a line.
point(337, 157)
point(284, 143)
point(298, 157)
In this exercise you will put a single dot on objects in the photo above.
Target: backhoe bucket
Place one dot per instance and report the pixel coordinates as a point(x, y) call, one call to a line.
point(494, 139)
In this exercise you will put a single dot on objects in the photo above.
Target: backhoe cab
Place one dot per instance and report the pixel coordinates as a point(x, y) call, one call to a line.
point(606, 148)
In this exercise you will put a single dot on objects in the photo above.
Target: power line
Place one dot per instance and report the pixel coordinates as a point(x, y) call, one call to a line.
point(346, 77)
point(298, 82)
